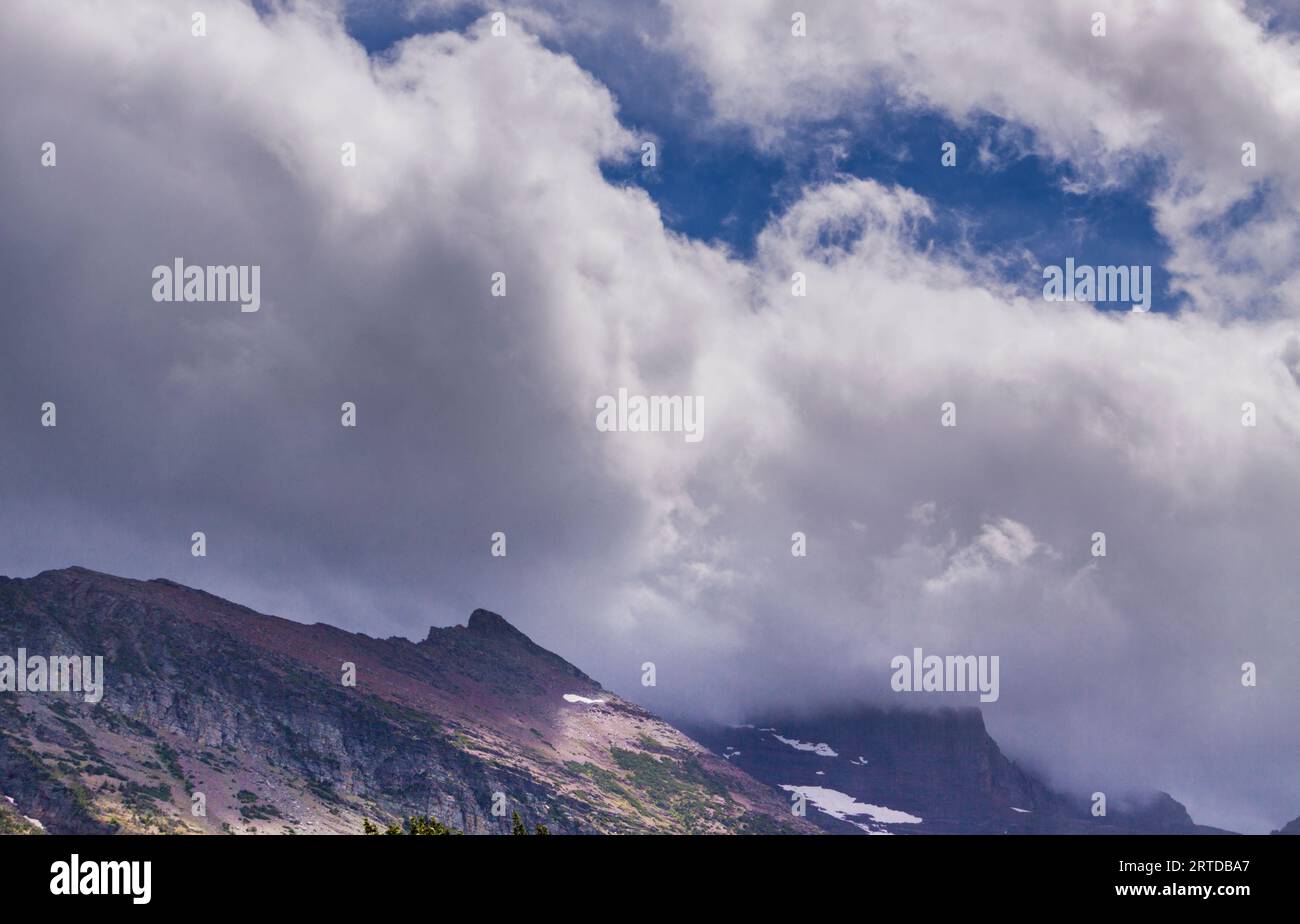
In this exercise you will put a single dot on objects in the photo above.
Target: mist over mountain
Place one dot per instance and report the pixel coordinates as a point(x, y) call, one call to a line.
point(273, 726)
point(901, 771)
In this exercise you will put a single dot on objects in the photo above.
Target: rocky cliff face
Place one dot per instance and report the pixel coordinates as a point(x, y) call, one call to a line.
point(909, 772)
point(207, 703)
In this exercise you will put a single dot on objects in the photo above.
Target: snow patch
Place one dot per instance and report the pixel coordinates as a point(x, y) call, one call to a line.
point(860, 762)
point(821, 750)
point(575, 698)
point(842, 806)
point(1024, 811)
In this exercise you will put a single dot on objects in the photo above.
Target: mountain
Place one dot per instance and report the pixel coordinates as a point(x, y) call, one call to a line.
point(251, 714)
point(880, 771)
point(205, 700)
point(1291, 827)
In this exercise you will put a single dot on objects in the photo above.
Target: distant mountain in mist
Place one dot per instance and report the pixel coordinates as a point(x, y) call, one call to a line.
point(880, 771)
point(208, 702)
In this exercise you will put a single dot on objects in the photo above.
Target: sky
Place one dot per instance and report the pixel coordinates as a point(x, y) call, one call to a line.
point(776, 154)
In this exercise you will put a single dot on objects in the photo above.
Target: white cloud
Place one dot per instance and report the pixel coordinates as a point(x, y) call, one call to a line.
point(1184, 84)
point(476, 414)
point(1001, 544)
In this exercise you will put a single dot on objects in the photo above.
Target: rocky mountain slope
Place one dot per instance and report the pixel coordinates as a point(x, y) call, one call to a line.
point(207, 703)
point(881, 771)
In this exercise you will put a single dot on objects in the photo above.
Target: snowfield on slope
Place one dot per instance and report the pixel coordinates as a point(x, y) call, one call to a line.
point(822, 750)
point(845, 808)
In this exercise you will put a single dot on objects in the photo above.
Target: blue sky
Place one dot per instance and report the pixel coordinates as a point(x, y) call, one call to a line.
point(714, 183)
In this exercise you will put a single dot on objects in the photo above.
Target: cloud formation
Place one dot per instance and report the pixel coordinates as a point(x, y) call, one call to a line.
point(480, 154)
point(1177, 85)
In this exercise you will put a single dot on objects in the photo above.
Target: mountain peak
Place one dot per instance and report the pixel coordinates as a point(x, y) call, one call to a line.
point(487, 625)
point(421, 731)
point(486, 622)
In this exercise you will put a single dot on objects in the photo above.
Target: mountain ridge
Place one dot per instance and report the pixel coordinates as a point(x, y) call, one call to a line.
point(254, 713)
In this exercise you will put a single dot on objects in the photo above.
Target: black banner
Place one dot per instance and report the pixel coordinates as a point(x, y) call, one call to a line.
point(148, 874)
